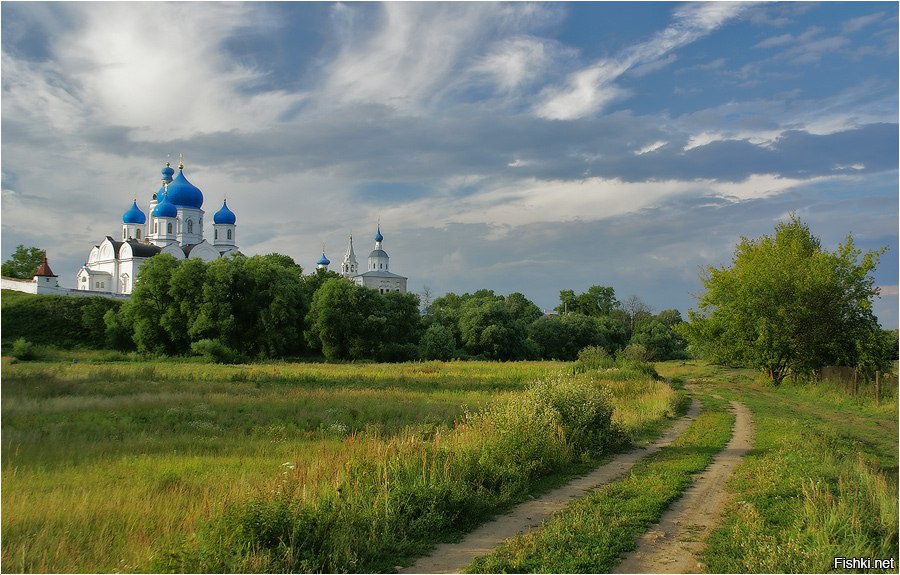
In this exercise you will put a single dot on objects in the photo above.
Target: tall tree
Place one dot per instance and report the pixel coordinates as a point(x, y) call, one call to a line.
point(597, 301)
point(23, 263)
point(786, 305)
point(338, 320)
point(150, 301)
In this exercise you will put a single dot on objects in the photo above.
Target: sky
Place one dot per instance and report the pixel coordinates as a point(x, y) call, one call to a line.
point(509, 146)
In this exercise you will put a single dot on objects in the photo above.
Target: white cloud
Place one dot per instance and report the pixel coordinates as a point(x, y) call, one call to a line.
point(857, 24)
point(531, 201)
point(410, 60)
point(650, 148)
point(156, 68)
point(589, 90)
point(775, 41)
point(518, 61)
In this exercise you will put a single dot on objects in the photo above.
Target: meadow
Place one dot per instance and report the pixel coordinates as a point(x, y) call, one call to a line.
point(131, 466)
point(821, 482)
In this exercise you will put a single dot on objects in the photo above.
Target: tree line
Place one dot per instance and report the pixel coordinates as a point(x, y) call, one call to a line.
point(785, 305)
point(264, 307)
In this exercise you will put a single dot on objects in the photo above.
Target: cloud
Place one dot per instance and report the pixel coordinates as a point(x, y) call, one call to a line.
point(856, 24)
point(408, 60)
point(157, 69)
point(519, 61)
point(589, 90)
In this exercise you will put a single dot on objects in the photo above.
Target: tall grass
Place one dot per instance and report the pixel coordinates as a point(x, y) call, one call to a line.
point(591, 533)
point(406, 493)
point(112, 467)
point(820, 483)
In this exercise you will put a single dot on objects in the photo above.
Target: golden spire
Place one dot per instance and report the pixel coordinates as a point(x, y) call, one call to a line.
point(180, 161)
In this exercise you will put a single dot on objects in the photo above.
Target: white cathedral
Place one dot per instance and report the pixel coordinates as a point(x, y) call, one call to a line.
point(175, 227)
point(377, 276)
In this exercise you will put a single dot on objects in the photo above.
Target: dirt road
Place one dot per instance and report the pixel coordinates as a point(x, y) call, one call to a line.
point(453, 557)
point(672, 545)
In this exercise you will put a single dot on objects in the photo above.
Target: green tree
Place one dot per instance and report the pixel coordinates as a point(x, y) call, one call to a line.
point(563, 336)
point(488, 329)
point(23, 263)
point(658, 339)
point(254, 306)
point(339, 320)
point(150, 301)
point(596, 301)
point(786, 305)
point(437, 343)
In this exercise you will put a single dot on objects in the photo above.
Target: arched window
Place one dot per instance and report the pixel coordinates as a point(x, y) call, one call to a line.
point(138, 233)
point(215, 234)
point(190, 226)
point(229, 234)
point(155, 227)
point(169, 228)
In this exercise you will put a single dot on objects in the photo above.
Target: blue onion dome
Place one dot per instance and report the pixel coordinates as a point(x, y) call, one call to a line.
point(184, 194)
point(167, 173)
point(378, 236)
point(134, 215)
point(165, 209)
point(224, 216)
point(323, 261)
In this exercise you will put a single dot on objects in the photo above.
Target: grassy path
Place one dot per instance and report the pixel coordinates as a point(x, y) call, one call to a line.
point(674, 544)
point(454, 557)
point(592, 534)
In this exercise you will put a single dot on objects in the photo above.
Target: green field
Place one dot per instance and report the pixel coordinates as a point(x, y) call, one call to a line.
point(171, 466)
point(820, 483)
point(182, 466)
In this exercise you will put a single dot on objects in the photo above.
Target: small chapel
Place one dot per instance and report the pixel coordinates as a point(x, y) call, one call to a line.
point(377, 275)
point(174, 226)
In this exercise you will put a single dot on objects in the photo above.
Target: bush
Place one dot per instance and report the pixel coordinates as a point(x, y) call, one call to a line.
point(216, 351)
point(63, 321)
point(627, 364)
point(594, 357)
point(24, 350)
point(585, 411)
point(397, 500)
point(635, 353)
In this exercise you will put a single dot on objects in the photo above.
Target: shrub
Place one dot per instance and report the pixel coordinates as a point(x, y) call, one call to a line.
point(64, 321)
point(396, 500)
point(594, 357)
point(585, 410)
point(24, 350)
point(635, 353)
point(216, 351)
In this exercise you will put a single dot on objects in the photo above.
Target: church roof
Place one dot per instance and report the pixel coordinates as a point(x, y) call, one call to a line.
point(115, 244)
point(140, 250)
point(134, 215)
point(378, 254)
point(165, 208)
point(182, 193)
point(224, 216)
point(381, 274)
point(44, 270)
